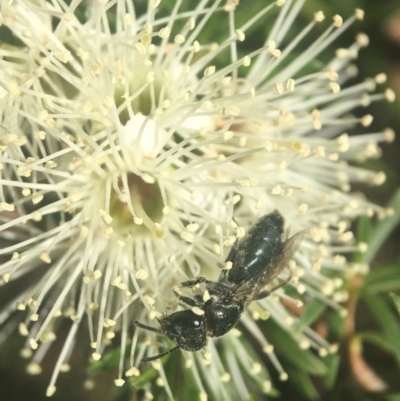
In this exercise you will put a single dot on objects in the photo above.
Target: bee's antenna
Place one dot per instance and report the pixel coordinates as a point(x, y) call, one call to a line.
point(143, 326)
point(153, 358)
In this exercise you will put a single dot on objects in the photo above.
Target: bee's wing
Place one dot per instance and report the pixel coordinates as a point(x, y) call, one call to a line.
point(291, 246)
point(250, 287)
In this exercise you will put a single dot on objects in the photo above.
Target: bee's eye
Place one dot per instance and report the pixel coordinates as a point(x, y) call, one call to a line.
point(186, 322)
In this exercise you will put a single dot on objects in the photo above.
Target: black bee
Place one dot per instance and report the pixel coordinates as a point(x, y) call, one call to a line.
point(256, 259)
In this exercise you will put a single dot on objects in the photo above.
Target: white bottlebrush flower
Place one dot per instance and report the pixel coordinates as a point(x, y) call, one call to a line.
point(127, 149)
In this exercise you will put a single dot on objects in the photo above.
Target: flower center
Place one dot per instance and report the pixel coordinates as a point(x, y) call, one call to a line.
point(136, 205)
point(144, 94)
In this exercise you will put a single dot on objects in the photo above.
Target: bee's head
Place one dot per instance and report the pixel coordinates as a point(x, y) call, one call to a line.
point(186, 329)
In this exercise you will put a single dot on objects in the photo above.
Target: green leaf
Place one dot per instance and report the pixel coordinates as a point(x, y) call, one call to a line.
point(364, 230)
point(311, 312)
point(389, 397)
point(332, 363)
point(376, 339)
point(144, 378)
point(389, 323)
point(396, 300)
point(123, 393)
point(383, 279)
point(107, 361)
point(176, 375)
point(303, 383)
point(383, 229)
point(289, 349)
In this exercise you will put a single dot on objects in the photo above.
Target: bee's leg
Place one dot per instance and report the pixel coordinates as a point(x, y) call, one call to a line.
point(199, 299)
point(224, 293)
point(216, 288)
point(186, 300)
point(195, 281)
point(265, 293)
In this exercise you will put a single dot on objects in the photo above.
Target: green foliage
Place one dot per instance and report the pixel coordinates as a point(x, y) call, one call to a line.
point(332, 363)
point(396, 300)
point(107, 361)
point(376, 286)
point(382, 280)
point(311, 313)
point(289, 349)
point(388, 321)
point(142, 380)
point(303, 383)
point(382, 229)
